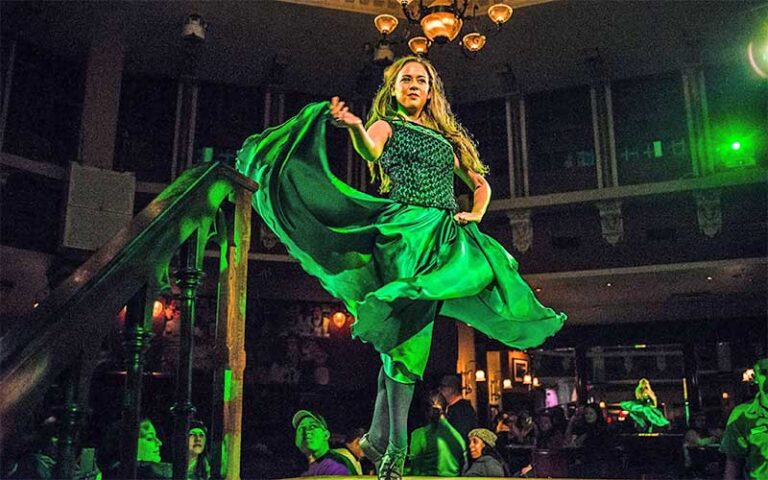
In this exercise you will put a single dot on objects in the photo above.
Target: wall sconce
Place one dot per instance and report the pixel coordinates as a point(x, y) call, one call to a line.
point(527, 379)
point(480, 375)
point(536, 382)
point(507, 384)
point(194, 28)
point(339, 319)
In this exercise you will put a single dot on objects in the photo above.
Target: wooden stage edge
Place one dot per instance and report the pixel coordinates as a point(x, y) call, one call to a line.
point(409, 477)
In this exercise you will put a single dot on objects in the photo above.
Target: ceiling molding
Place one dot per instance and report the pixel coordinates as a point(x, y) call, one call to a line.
point(392, 7)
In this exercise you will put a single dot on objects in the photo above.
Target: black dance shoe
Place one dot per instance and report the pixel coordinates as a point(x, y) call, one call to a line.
point(392, 464)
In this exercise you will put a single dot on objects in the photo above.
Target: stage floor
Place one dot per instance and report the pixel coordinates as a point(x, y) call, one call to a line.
point(407, 477)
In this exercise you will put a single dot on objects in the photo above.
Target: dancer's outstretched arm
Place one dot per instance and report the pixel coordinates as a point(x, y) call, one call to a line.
point(368, 143)
point(481, 195)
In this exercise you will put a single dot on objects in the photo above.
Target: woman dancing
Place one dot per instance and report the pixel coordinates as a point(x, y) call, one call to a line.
point(644, 410)
point(395, 262)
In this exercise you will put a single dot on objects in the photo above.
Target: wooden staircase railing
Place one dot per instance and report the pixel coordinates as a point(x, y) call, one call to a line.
point(60, 339)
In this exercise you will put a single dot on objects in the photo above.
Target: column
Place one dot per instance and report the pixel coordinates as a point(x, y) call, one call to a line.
point(603, 134)
point(190, 277)
point(697, 116)
point(101, 102)
point(226, 426)
point(466, 363)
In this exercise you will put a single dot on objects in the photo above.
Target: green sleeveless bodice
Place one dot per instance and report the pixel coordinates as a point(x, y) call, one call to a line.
point(420, 163)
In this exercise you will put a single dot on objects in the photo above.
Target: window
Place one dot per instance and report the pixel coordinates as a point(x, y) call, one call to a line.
point(651, 129)
point(561, 153)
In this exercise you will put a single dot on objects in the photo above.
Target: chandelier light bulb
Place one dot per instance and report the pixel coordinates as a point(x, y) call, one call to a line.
point(499, 13)
point(419, 45)
point(442, 24)
point(473, 42)
point(385, 23)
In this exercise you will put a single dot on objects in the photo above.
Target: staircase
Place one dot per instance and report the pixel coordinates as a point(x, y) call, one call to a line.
point(59, 341)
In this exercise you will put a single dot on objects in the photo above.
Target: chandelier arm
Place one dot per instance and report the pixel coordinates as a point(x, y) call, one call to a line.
point(407, 11)
point(460, 13)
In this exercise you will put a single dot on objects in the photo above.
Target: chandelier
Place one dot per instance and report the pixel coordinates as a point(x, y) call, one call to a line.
point(441, 22)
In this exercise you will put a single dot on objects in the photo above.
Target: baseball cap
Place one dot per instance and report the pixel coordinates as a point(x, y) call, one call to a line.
point(302, 414)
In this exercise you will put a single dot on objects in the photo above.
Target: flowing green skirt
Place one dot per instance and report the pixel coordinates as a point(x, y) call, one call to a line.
point(644, 415)
point(394, 266)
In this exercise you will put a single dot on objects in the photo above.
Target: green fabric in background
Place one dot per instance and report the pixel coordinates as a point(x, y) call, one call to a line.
point(393, 265)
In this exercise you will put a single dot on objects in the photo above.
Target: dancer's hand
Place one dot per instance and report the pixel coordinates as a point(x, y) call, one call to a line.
point(467, 217)
point(341, 116)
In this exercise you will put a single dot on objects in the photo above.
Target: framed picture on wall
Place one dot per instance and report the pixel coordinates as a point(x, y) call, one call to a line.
point(519, 369)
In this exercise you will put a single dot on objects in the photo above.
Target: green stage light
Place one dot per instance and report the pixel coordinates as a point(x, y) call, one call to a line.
point(736, 146)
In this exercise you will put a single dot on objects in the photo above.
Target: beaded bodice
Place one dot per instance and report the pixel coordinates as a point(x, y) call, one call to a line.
point(419, 161)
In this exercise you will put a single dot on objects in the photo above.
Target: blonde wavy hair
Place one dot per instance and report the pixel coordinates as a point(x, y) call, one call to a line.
point(644, 390)
point(437, 115)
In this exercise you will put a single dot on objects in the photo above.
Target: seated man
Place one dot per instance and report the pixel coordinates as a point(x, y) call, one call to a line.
point(312, 436)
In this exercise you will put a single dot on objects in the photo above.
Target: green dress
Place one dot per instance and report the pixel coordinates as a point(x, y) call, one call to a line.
point(395, 262)
point(645, 415)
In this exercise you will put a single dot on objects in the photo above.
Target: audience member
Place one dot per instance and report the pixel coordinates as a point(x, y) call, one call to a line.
point(351, 450)
point(484, 459)
point(38, 460)
point(524, 431)
point(698, 435)
point(586, 429)
point(745, 440)
point(698, 460)
point(150, 463)
point(503, 420)
point(437, 448)
point(551, 430)
point(312, 437)
point(459, 410)
point(198, 467)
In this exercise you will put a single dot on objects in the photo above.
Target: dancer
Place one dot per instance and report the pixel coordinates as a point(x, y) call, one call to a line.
point(395, 262)
point(644, 409)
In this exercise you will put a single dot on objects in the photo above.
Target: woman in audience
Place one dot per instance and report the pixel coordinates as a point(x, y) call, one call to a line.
point(551, 433)
point(198, 467)
point(484, 459)
point(586, 426)
point(587, 431)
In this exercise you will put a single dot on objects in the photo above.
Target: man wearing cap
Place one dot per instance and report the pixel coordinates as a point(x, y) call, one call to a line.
point(745, 440)
point(312, 438)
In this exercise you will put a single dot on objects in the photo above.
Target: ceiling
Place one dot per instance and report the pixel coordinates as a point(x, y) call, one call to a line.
point(545, 43)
